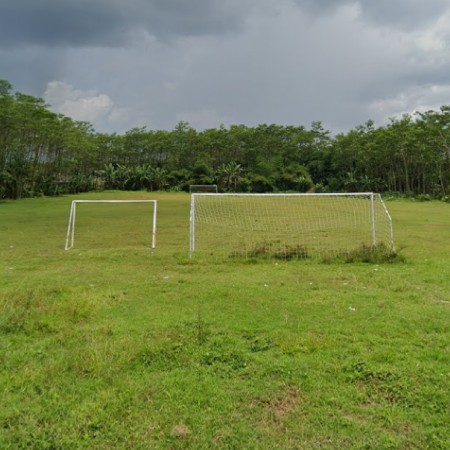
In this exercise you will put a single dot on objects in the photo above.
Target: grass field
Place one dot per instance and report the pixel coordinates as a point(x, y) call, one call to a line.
point(111, 347)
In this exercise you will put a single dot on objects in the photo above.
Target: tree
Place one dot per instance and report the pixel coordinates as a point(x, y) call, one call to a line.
point(229, 175)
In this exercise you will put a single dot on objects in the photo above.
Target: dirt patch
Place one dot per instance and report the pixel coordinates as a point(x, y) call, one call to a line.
point(180, 431)
point(283, 405)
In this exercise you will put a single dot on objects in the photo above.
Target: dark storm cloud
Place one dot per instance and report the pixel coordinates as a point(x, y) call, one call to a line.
point(110, 22)
point(321, 6)
point(405, 14)
point(165, 18)
point(30, 69)
point(126, 63)
point(59, 23)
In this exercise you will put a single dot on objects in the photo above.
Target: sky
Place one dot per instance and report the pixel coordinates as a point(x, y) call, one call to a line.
point(121, 64)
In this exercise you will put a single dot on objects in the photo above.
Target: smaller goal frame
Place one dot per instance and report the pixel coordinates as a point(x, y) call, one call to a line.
point(213, 187)
point(70, 235)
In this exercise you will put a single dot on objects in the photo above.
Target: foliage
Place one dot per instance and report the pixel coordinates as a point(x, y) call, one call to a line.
point(42, 153)
point(272, 250)
point(373, 254)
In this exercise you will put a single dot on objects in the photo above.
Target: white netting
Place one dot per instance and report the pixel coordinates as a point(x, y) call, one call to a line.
point(288, 225)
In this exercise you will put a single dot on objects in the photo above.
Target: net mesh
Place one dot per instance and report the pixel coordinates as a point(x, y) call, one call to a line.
point(287, 225)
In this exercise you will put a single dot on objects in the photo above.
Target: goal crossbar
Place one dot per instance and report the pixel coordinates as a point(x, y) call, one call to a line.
point(70, 235)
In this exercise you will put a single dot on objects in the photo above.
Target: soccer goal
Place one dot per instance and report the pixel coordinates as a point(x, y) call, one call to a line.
point(203, 188)
point(288, 225)
point(104, 223)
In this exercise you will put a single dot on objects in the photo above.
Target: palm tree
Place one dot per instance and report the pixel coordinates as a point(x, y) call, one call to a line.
point(109, 175)
point(229, 174)
point(159, 178)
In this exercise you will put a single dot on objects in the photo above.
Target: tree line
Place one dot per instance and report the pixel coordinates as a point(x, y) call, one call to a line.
point(44, 153)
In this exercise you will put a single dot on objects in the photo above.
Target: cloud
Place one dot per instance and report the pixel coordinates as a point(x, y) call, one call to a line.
point(435, 39)
point(58, 23)
point(321, 7)
point(88, 106)
point(404, 14)
point(290, 70)
point(30, 68)
point(127, 63)
point(282, 68)
point(399, 14)
point(415, 98)
point(110, 23)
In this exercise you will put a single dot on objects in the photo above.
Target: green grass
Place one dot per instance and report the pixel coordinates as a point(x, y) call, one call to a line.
point(124, 348)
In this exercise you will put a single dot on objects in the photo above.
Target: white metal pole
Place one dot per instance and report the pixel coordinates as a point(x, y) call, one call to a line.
point(73, 223)
point(390, 225)
point(154, 225)
point(192, 227)
point(278, 194)
point(69, 227)
point(374, 235)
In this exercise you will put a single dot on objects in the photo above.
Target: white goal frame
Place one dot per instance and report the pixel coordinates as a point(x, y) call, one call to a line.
point(213, 188)
point(372, 213)
point(70, 236)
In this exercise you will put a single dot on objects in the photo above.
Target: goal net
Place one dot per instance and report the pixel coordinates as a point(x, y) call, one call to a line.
point(111, 223)
point(288, 225)
point(203, 188)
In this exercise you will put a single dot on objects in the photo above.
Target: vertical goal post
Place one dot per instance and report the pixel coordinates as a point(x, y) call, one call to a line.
point(288, 225)
point(70, 235)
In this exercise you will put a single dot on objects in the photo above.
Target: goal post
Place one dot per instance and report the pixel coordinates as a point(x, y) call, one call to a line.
point(70, 235)
point(288, 225)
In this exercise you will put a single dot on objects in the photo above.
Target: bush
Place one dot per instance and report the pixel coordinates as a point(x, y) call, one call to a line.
point(424, 198)
point(261, 184)
point(373, 254)
point(273, 250)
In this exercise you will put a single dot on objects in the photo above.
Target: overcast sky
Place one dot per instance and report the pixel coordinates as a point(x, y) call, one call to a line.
point(121, 64)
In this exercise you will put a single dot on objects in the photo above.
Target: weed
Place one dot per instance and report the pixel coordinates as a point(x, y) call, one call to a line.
point(372, 254)
point(273, 250)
